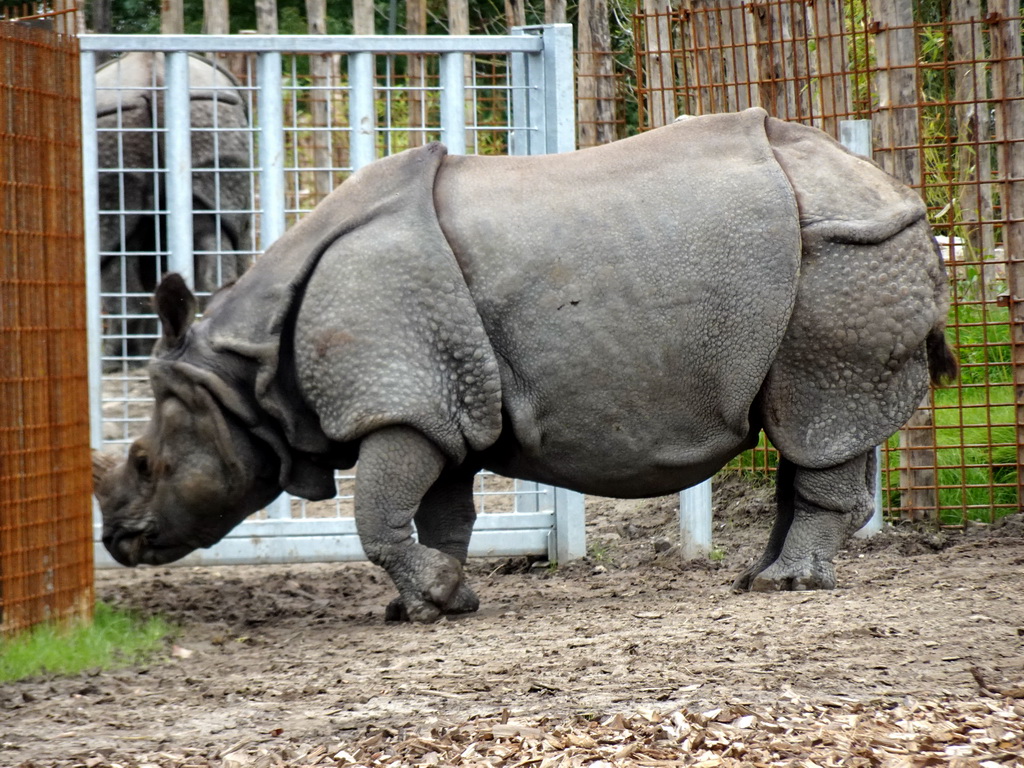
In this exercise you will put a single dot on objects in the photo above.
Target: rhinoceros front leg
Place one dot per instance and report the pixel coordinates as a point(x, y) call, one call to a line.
point(444, 522)
point(817, 511)
point(397, 467)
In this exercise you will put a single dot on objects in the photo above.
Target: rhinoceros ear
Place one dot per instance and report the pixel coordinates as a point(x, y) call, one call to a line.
point(176, 307)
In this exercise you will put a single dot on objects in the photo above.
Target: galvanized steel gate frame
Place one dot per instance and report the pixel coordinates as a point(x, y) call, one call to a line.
point(546, 521)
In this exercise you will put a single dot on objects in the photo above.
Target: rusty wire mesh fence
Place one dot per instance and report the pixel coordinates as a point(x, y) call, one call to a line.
point(944, 94)
point(45, 476)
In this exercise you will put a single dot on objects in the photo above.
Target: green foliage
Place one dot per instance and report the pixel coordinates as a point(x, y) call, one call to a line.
point(114, 638)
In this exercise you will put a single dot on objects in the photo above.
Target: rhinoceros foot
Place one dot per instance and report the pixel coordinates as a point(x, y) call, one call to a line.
point(463, 601)
point(792, 576)
point(430, 584)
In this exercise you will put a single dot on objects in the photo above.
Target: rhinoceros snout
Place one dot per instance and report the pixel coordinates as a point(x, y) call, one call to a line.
point(125, 545)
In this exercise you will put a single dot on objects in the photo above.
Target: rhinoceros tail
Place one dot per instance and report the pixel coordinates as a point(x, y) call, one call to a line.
point(942, 363)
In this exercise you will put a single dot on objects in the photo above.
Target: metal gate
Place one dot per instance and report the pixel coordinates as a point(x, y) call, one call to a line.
point(196, 168)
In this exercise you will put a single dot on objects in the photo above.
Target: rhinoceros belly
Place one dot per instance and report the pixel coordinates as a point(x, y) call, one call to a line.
point(635, 296)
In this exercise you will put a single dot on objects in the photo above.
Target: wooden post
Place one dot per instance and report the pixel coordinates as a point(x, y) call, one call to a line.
point(659, 98)
point(172, 17)
point(595, 79)
point(897, 150)
point(1008, 96)
point(416, 24)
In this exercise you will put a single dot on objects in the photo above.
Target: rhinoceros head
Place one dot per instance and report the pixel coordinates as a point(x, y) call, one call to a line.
point(195, 473)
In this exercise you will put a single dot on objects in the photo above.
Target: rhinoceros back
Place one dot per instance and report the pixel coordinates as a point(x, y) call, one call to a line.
point(635, 295)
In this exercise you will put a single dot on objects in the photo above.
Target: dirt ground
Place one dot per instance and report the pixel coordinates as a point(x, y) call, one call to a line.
point(630, 657)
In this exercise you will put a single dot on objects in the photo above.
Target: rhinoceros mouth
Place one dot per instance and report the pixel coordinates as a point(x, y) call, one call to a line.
point(131, 548)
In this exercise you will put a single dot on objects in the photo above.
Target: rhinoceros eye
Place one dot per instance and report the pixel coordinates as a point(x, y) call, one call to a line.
point(139, 460)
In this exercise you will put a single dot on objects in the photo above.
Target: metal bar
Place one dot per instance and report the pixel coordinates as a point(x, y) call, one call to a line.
point(91, 207)
point(271, 150)
point(314, 43)
point(453, 102)
point(855, 135)
point(695, 517)
point(362, 115)
point(178, 151)
point(569, 534)
point(519, 106)
point(559, 90)
point(272, 196)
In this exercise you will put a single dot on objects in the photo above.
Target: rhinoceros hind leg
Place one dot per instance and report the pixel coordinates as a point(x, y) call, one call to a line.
point(817, 511)
point(397, 468)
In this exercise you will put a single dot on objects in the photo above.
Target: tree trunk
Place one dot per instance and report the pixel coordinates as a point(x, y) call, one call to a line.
point(266, 17)
point(102, 21)
point(363, 17)
point(416, 24)
point(1008, 95)
point(172, 17)
point(659, 103)
point(595, 78)
point(215, 17)
point(974, 125)
point(458, 24)
point(320, 77)
point(515, 13)
point(897, 145)
point(554, 12)
point(832, 66)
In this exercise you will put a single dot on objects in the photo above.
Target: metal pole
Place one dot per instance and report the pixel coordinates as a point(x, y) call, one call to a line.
point(178, 150)
point(363, 143)
point(855, 135)
point(271, 113)
point(91, 205)
point(695, 516)
point(453, 101)
point(559, 88)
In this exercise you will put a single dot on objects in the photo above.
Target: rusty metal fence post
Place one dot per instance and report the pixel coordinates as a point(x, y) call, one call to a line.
point(46, 568)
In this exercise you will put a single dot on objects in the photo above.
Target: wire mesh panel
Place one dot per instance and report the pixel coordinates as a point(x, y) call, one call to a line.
point(940, 92)
point(45, 486)
point(273, 131)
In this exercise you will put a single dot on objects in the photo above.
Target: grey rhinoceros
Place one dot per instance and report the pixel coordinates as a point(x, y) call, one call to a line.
point(621, 321)
point(130, 146)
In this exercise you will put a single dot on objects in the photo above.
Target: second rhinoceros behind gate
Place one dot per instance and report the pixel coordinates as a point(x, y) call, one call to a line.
point(621, 321)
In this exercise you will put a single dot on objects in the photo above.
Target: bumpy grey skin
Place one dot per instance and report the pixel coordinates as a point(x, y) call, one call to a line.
point(621, 321)
point(127, 99)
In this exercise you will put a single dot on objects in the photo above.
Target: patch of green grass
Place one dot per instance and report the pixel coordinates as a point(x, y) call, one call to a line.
point(115, 638)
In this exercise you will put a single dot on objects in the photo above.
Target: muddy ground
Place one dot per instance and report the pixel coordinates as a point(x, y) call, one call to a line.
point(630, 657)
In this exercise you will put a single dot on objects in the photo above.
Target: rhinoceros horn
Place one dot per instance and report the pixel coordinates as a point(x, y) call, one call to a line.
point(102, 463)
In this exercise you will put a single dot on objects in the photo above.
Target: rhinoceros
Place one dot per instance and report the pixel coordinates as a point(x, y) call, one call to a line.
point(621, 321)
